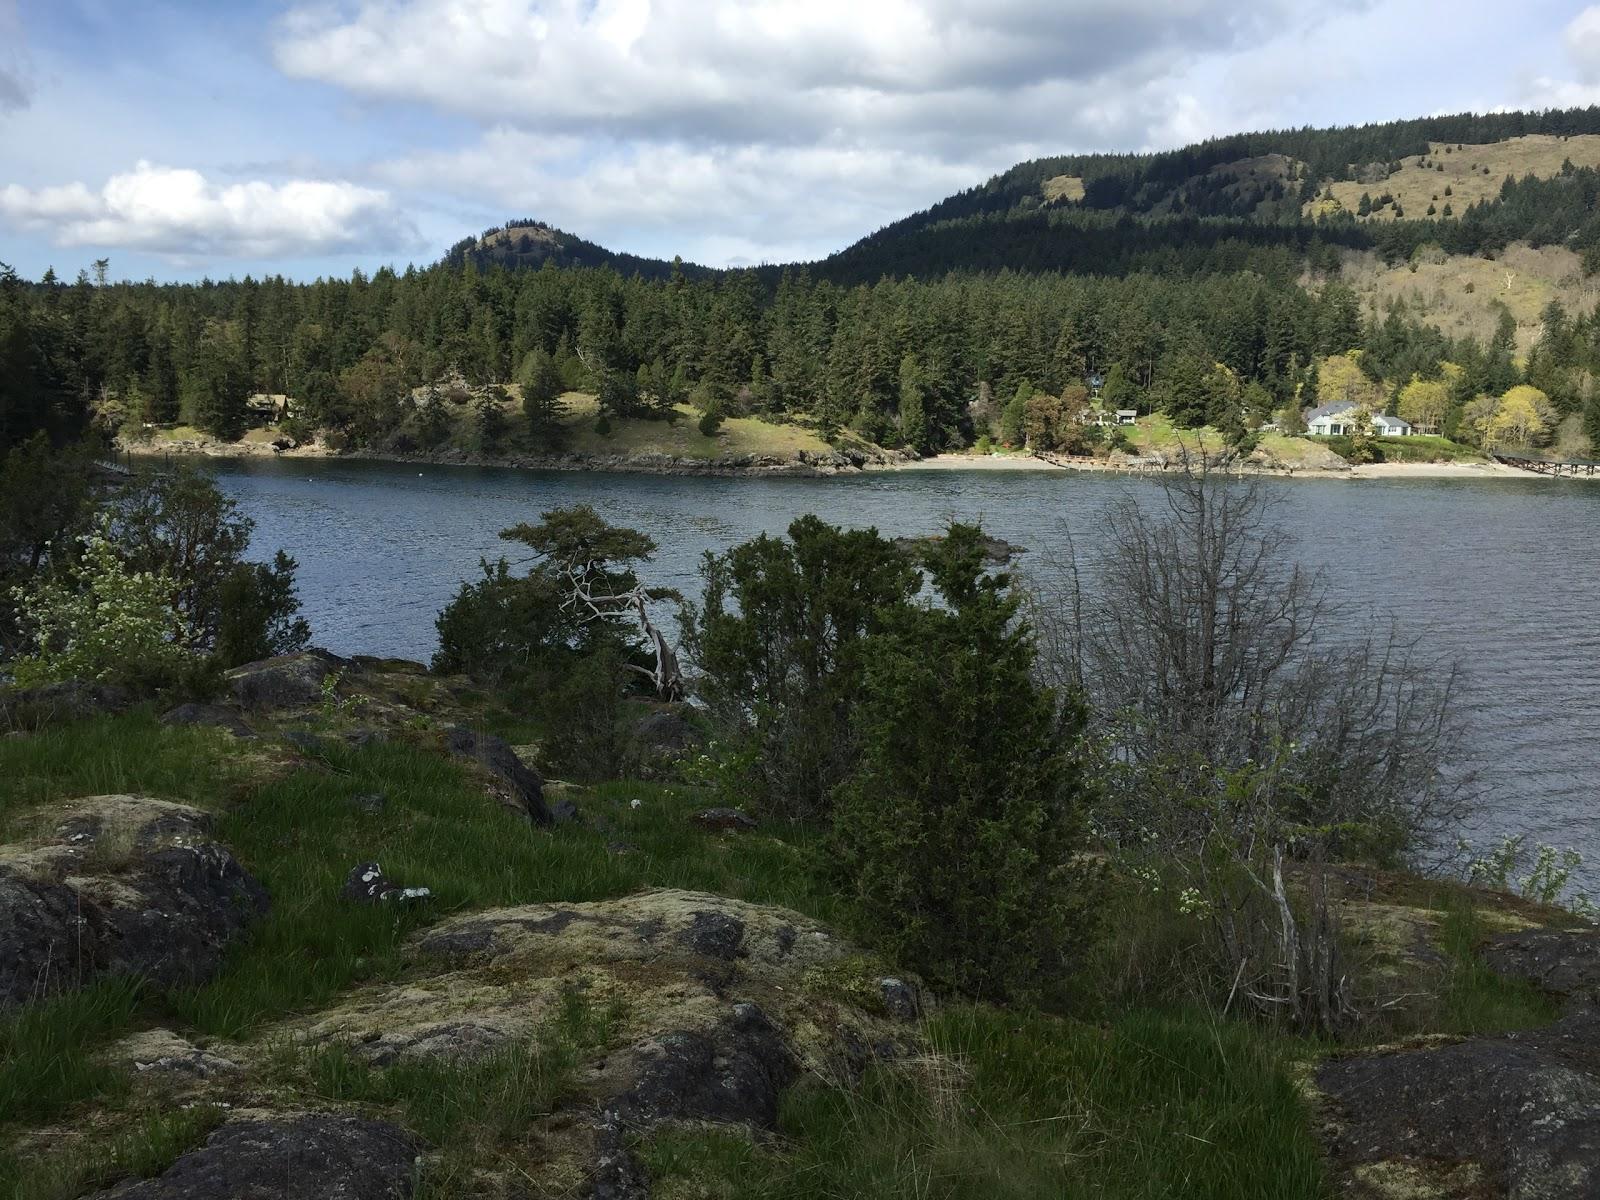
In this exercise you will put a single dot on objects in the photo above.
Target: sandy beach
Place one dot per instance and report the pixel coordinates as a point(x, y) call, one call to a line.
point(1027, 462)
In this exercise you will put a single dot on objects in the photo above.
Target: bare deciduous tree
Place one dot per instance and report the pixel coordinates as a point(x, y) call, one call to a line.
point(1203, 648)
point(1245, 717)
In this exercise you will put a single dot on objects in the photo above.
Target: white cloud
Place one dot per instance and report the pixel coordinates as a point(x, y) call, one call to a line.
point(733, 129)
point(780, 71)
point(181, 215)
point(1582, 38)
point(713, 204)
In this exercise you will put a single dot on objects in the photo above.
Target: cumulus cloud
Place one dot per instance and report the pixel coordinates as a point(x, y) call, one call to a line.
point(181, 215)
point(1581, 38)
point(712, 203)
point(754, 70)
point(764, 128)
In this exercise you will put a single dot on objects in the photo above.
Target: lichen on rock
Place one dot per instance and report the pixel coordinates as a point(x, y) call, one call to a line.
point(118, 885)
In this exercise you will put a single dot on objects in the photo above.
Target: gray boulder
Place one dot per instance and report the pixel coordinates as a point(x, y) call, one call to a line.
point(287, 681)
point(724, 820)
point(208, 714)
point(1564, 962)
point(730, 1074)
point(293, 1158)
point(118, 885)
point(1516, 1115)
point(666, 734)
point(495, 756)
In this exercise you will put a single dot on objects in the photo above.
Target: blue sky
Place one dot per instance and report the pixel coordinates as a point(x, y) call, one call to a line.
point(189, 139)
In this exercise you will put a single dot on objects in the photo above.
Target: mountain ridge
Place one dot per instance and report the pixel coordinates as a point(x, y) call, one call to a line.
point(1108, 213)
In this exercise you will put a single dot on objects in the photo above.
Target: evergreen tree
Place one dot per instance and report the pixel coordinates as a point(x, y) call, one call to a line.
point(541, 397)
point(958, 832)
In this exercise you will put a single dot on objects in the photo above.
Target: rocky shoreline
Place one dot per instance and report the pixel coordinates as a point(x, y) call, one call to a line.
point(805, 464)
point(802, 463)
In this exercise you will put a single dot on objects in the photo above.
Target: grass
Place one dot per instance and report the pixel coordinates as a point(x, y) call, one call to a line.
point(1144, 1095)
point(1415, 186)
point(682, 437)
point(1155, 434)
point(300, 835)
point(130, 753)
point(1418, 448)
point(1475, 999)
point(47, 1058)
point(1160, 1104)
point(1425, 447)
point(1461, 294)
point(138, 1148)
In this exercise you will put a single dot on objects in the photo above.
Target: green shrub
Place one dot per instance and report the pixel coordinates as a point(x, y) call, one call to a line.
point(582, 713)
point(102, 622)
point(258, 603)
point(956, 832)
point(710, 421)
point(777, 639)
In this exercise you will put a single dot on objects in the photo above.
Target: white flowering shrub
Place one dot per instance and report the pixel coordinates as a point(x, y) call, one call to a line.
point(103, 622)
point(1544, 879)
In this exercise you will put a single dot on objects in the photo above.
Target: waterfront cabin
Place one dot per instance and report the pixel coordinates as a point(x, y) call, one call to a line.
point(1127, 416)
point(1332, 420)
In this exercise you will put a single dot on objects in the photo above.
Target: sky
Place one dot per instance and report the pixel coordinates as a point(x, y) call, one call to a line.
point(182, 140)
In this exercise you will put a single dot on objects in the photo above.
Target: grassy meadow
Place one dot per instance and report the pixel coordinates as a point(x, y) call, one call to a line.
point(1138, 1091)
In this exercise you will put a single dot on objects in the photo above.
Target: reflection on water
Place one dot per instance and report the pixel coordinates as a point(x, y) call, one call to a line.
point(1501, 574)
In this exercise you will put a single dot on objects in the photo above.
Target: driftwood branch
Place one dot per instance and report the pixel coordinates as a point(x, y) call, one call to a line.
point(632, 605)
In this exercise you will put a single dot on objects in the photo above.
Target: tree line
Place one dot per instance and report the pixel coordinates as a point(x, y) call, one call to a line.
point(925, 364)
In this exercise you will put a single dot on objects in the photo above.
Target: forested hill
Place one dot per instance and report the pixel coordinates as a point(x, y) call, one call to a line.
point(1238, 283)
point(1268, 200)
point(530, 244)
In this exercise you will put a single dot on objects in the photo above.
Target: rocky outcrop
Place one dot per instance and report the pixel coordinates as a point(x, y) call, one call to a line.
point(1563, 962)
point(521, 786)
point(208, 714)
point(290, 1158)
point(70, 700)
point(667, 732)
point(118, 885)
point(162, 1054)
point(288, 681)
point(724, 820)
point(1513, 1116)
point(715, 1006)
point(661, 739)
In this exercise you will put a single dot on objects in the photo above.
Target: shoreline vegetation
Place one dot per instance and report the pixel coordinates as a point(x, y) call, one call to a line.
point(805, 463)
point(877, 893)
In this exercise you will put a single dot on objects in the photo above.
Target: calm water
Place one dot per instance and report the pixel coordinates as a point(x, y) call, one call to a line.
point(1502, 574)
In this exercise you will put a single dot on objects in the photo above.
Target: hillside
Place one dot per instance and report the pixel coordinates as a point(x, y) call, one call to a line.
point(1454, 177)
point(529, 245)
point(1466, 187)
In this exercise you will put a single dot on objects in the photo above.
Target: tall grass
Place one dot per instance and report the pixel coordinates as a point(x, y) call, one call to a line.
point(1157, 1105)
point(1476, 1000)
point(140, 1148)
point(47, 1057)
point(131, 753)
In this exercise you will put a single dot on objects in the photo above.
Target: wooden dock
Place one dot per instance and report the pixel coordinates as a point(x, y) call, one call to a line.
point(1548, 466)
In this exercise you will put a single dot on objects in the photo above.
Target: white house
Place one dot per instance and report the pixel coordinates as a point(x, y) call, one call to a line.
point(1333, 419)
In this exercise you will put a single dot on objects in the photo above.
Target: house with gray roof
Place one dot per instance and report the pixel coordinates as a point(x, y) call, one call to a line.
point(1331, 420)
